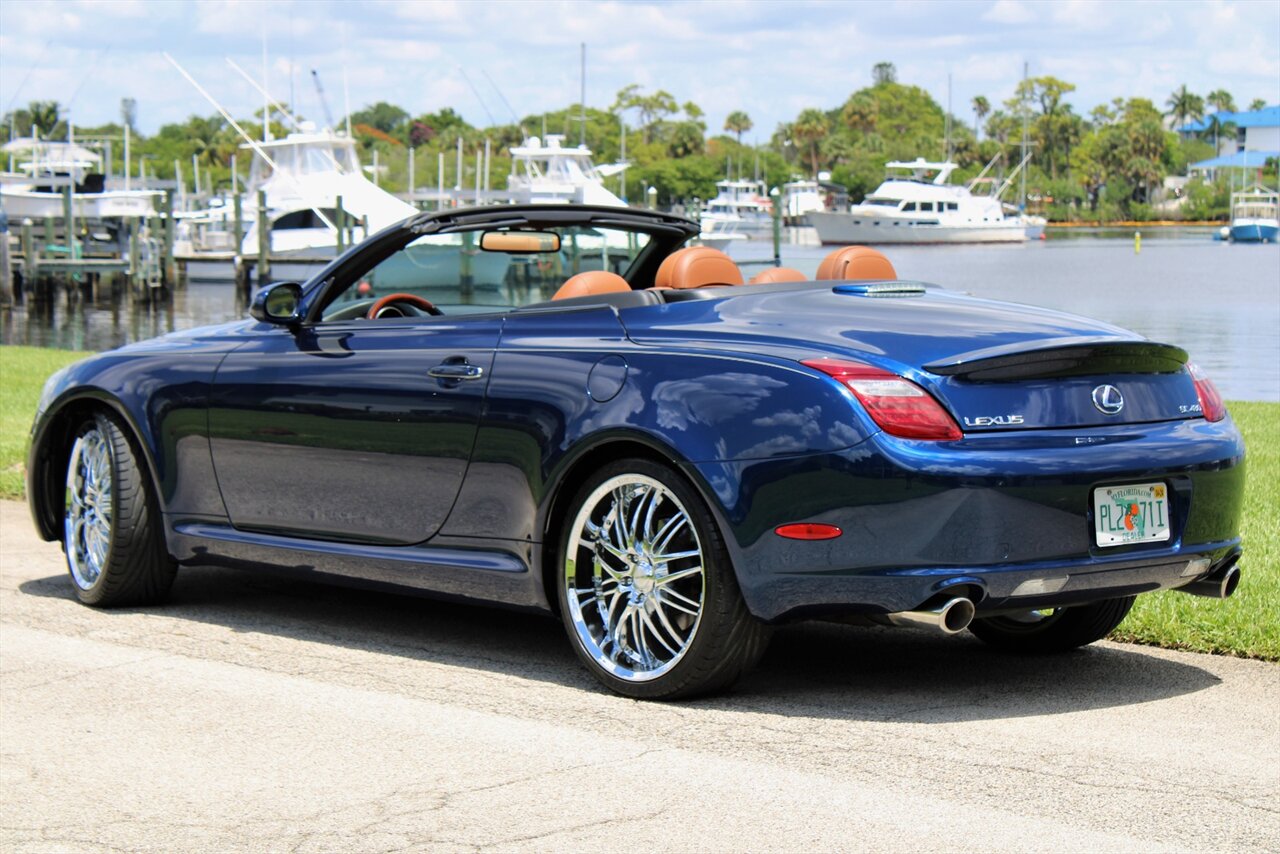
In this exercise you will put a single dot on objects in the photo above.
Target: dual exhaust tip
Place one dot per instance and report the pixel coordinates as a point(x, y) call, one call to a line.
point(954, 615)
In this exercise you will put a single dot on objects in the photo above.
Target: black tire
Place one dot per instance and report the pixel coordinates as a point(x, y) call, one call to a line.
point(724, 641)
point(1062, 630)
point(128, 562)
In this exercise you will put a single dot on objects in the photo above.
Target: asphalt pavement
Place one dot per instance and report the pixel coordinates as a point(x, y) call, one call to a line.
point(258, 713)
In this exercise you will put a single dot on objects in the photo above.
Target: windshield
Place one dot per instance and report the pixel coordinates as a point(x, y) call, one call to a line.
point(453, 272)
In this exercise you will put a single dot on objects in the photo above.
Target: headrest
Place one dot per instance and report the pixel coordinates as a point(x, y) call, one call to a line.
point(856, 263)
point(777, 274)
point(591, 283)
point(697, 267)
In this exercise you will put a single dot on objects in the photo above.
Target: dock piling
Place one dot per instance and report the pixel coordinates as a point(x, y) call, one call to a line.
point(264, 240)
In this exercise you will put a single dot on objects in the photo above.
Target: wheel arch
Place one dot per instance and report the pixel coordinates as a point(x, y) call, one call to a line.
point(51, 450)
point(577, 466)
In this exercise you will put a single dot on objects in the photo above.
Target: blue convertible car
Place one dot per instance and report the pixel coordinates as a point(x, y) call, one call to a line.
point(668, 458)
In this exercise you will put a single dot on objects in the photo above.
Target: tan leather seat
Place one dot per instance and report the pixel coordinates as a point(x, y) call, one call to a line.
point(856, 264)
point(697, 267)
point(592, 283)
point(770, 275)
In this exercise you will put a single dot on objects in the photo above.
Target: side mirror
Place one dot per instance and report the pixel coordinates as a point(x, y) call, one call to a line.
point(280, 303)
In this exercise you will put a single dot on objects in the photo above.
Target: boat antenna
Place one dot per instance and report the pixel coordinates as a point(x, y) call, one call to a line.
point(515, 120)
point(267, 99)
point(582, 105)
point(1025, 110)
point(256, 146)
point(476, 92)
point(946, 144)
point(346, 93)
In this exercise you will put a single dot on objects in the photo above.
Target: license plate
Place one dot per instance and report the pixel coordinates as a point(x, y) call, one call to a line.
point(1138, 513)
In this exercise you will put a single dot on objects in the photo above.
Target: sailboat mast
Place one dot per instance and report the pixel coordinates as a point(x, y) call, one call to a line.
point(582, 114)
point(1025, 119)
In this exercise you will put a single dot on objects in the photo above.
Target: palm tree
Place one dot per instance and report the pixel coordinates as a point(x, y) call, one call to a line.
point(1184, 106)
point(810, 128)
point(1257, 104)
point(861, 113)
point(44, 115)
point(981, 107)
point(738, 123)
point(1222, 100)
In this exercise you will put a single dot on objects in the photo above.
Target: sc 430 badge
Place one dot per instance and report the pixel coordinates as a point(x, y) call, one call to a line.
point(993, 421)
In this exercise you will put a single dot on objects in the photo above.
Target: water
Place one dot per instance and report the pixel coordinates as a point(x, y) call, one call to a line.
point(1218, 301)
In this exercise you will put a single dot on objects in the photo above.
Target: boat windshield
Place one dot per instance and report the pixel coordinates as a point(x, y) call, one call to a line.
point(883, 202)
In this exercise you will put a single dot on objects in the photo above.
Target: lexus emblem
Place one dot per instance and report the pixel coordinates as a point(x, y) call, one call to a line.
point(1108, 399)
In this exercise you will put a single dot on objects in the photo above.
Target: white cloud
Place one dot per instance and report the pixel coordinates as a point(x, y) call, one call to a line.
point(1008, 12)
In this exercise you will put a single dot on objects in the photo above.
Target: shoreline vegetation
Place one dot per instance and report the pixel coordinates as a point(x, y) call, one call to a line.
point(1244, 625)
point(1106, 167)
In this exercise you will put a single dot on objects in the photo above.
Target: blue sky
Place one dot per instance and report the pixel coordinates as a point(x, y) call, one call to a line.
point(770, 58)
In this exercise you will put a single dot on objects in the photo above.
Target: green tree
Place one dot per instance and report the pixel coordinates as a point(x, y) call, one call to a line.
point(738, 123)
point(1184, 107)
point(44, 116)
point(1257, 104)
point(650, 108)
point(1221, 100)
point(861, 112)
point(387, 118)
point(884, 72)
point(981, 108)
point(810, 129)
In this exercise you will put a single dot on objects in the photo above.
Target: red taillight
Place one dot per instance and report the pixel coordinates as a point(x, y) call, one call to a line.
point(1211, 404)
point(897, 405)
point(808, 531)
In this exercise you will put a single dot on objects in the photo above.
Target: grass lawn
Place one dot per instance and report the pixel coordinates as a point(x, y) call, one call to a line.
point(23, 371)
point(1247, 624)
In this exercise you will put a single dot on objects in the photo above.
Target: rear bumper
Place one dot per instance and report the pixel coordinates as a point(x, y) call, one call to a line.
point(1006, 518)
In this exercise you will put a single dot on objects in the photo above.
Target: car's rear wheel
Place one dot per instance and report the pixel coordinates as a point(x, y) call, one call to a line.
point(1053, 629)
point(115, 550)
point(646, 588)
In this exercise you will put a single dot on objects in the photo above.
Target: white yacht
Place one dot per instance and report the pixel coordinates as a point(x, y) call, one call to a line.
point(739, 206)
point(546, 172)
point(44, 168)
point(306, 173)
point(914, 209)
point(800, 198)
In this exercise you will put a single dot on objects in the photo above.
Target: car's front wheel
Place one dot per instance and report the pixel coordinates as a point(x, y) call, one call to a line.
point(646, 588)
point(115, 550)
point(1053, 629)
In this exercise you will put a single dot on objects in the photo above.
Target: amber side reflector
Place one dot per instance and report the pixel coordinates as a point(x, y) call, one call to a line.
point(807, 531)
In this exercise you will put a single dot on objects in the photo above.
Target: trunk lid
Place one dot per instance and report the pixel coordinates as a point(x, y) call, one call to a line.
point(995, 366)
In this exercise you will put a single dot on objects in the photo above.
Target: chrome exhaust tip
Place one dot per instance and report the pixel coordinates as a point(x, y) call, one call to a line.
point(951, 617)
point(1217, 585)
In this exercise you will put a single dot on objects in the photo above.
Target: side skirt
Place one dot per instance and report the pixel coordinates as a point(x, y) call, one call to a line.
point(487, 575)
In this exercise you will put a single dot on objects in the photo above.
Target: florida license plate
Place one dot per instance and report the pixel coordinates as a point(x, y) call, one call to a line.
point(1137, 513)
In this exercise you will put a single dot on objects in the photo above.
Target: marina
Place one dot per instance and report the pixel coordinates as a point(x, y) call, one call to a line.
point(1218, 301)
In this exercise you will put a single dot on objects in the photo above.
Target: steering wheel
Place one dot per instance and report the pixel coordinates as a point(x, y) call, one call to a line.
point(410, 299)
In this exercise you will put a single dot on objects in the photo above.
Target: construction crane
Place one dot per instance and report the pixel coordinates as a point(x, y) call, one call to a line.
point(328, 116)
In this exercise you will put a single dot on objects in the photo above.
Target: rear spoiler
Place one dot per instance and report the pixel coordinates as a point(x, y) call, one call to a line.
point(1062, 358)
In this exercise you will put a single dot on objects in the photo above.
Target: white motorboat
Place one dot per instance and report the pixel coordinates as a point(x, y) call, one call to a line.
point(800, 198)
point(546, 172)
point(1254, 216)
point(915, 209)
point(740, 206)
point(45, 169)
point(303, 176)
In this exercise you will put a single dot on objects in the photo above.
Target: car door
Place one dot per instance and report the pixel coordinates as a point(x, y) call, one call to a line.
point(354, 430)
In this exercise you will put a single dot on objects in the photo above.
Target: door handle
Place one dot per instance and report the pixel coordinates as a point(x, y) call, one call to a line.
point(456, 371)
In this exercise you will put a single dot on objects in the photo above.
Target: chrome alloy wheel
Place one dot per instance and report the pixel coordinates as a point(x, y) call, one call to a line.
point(87, 530)
point(633, 576)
